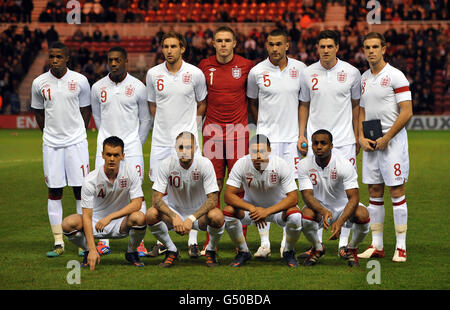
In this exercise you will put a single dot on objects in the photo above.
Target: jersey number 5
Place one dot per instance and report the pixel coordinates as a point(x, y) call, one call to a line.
point(266, 80)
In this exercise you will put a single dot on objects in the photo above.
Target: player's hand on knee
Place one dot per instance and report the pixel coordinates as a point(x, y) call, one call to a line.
point(93, 259)
point(258, 214)
point(100, 226)
point(187, 225)
point(178, 225)
point(326, 217)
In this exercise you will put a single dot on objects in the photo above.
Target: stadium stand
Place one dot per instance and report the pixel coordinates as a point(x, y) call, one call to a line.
point(420, 51)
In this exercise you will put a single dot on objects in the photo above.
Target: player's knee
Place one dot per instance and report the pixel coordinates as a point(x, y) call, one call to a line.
point(376, 190)
point(215, 217)
point(55, 193)
point(294, 219)
point(71, 223)
point(137, 219)
point(151, 217)
point(308, 214)
point(397, 191)
point(362, 214)
point(228, 211)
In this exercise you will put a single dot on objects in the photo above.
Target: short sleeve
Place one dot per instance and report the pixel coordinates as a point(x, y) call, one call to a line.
point(304, 88)
point(400, 84)
point(135, 183)
point(200, 86)
point(84, 97)
point(87, 195)
point(209, 177)
point(349, 175)
point(162, 177)
point(287, 178)
point(37, 102)
point(96, 110)
point(304, 183)
point(356, 86)
point(234, 178)
point(252, 86)
point(151, 96)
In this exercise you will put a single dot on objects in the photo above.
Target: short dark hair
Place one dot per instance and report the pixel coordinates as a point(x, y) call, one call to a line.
point(113, 141)
point(186, 133)
point(224, 29)
point(330, 34)
point(59, 45)
point(323, 132)
point(278, 32)
point(375, 35)
point(176, 35)
point(120, 50)
point(258, 139)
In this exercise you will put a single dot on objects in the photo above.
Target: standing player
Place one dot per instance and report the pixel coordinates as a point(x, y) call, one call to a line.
point(270, 196)
point(119, 107)
point(225, 131)
point(385, 96)
point(111, 200)
point(328, 183)
point(60, 101)
point(330, 100)
point(274, 90)
point(176, 90)
point(192, 194)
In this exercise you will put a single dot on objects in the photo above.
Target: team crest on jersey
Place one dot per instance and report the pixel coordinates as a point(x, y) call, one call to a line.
point(236, 72)
point(333, 174)
point(294, 73)
point(129, 90)
point(342, 76)
point(195, 175)
point(72, 85)
point(124, 182)
point(273, 177)
point(186, 78)
point(385, 82)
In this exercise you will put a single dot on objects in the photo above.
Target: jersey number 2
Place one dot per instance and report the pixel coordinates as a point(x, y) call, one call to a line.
point(315, 81)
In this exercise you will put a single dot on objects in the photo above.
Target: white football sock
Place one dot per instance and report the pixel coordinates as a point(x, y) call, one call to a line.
point(136, 234)
point(55, 214)
point(343, 238)
point(376, 213)
point(264, 235)
point(214, 236)
point(233, 226)
point(293, 230)
point(192, 237)
point(400, 220)
point(78, 206)
point(310, 229)
point(160, 231)
point(360, 231)
point(319, 233)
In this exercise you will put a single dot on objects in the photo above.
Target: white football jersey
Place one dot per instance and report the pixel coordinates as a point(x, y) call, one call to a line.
point(382, 93)
point(186, 189)
point(61, 99)
point(121, 110)
point(263, 189)
point(278, 95)
point(176, 97)
point(330, 183)
point(329, 93)
point(104, 197)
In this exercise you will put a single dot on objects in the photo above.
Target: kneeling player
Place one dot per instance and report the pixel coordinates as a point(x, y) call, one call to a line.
point(270, 196)
point(329, 187)
point(111, 197)
point(192, 194)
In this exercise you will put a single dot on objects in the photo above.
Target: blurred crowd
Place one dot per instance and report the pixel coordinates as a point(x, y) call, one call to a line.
point(17, 52)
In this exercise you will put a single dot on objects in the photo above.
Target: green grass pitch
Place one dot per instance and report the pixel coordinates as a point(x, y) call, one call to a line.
point(25, 235)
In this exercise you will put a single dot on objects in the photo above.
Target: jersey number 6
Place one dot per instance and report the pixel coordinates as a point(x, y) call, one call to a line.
point(160, 84)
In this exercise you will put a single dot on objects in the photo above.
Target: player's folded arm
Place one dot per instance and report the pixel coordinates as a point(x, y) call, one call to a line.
point(231, 198)
point(210, 204)
point(286, 203)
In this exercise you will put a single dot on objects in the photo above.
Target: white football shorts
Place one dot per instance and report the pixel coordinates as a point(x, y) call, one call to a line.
point(66, 165)
point(289, 152)
point(111, 231)
point(390, 166)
